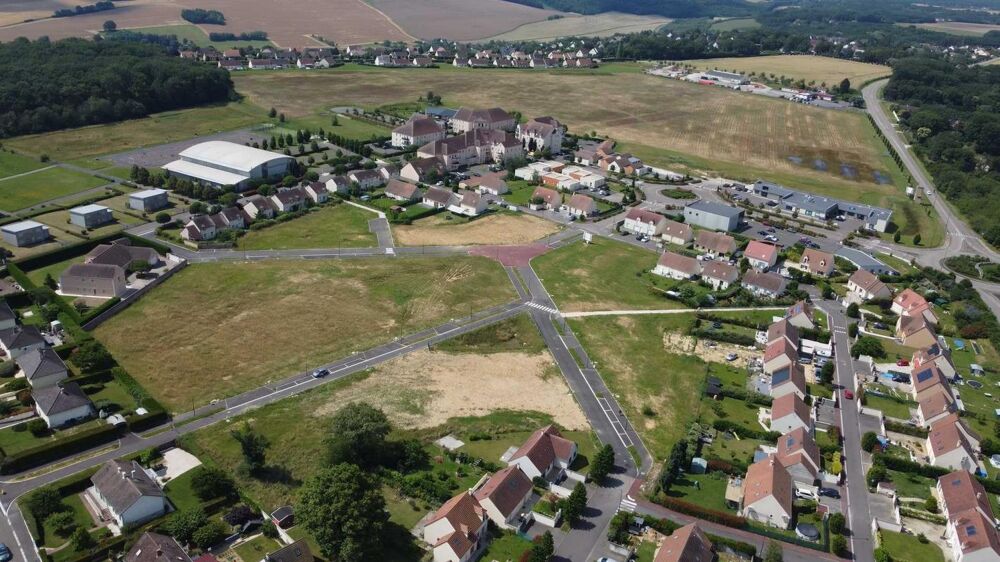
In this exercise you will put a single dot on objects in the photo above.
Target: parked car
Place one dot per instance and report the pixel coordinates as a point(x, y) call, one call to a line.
point(903, 363)
point(5, 553)
point(732, 357)
point(830, 493)
point(848, 395)
point(320, 373)
point(805, 494)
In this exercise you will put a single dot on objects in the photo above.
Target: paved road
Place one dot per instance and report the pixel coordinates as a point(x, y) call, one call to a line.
point(14, 531)
point(856, 494)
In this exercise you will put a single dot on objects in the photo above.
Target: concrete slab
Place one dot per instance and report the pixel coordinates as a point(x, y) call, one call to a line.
point(449, 442)
point(176, 461)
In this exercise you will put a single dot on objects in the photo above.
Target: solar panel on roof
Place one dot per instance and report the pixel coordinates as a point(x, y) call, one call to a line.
point(970, 530)
point(790, 442)
point(924, 376)
point(780, 376)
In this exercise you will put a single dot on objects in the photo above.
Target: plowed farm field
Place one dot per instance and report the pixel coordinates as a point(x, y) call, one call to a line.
point(459, 19)
point(669, 122)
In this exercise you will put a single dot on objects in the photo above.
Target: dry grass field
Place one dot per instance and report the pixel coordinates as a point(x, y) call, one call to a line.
point(216, 330)
point(493, 229)
point(673, 123)
point(959, 27)
point(801, 67)
point(460, 20)
point(16, 11)
point(137, 13)
point(597, 25)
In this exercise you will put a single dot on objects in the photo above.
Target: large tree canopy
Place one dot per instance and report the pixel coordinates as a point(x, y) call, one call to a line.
point(54, 85)
point(343, 509)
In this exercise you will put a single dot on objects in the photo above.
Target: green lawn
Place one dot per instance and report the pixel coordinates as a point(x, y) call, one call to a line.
point(633, 357)
point(55, 270)
point(255, 549)
point(706, 490)
point(911, 485)
point(339, 226)
point(14, 441)
point(403, 511)
point(228, 327)
point(80, 516)
point(515, 334)
point(889, 407)
point(12, 164)
point(896, 263)
point(60, 220)
point(195, 35)
point(602, 275)
point(506, 548)
point(645, 552)
point(179, 491)
point(346, 126)
point(520, 192)
point(906, 548)
point(25, 191)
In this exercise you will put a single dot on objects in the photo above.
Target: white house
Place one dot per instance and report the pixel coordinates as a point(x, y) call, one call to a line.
point(546, 453)
point(865, 286)
point(580, 205)
point(457, 532)
point(720, 275)
point(787, 380)
point(402, 191)
point(948, 446)
point(417, 131)
point(366, 179)
point(676, 266)
point(467, 202)
point(540, 134)
point(42, 367)
point(799, 454)
point(970, 531)
point(767, 494)
point(128, 492)
point(641, 221)
point(60, 405)
point(817, 262)
point(800, 315)
point(504, 496)
point(19, 340)
point(761, 255)
point(766, 284)
point(674, 232)
point(779, 354)
point(437, 197)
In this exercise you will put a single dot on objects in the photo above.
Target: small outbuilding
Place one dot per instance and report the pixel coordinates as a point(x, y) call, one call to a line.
point(90, 216)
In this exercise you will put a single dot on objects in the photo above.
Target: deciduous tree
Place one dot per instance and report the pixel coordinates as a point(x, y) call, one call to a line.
point(343, 509)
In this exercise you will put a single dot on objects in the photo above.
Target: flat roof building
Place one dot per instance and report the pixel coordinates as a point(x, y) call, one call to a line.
point(220, 163)
point(715, 216)
point(25, 233)
point(90, 216)
point(148, 200)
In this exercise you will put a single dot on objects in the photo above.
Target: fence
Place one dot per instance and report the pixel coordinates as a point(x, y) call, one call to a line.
point(124, 303)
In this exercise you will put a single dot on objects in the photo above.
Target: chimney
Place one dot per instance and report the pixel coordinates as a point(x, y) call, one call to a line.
point(159, 552)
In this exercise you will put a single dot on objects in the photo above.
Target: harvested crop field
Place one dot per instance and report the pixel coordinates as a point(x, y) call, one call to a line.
point(800, 67)
point(426, 388)
point(16, 11)
point(597, 25)
point(959, 27)
point(492, 229)
point(214, 330)
point(741, 134)
point(460, 20)
point(137, 13)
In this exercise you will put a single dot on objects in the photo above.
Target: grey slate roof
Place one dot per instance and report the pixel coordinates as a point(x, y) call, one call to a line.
point(98, 270)
point(122, 483)
point(154, 547)
point(121, 255)
point(21, 336)
point(39, 363)
point(298, 551)
point(716, 209)
point(6, 313)
point(58, 399)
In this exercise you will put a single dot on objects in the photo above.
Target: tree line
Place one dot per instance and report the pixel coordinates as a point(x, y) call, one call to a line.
point(245, 36)
point(52, 85)
point(198, 15)
point(86, 9)
point(952, 112)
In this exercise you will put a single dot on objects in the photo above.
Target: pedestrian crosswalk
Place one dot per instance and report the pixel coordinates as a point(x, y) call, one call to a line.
point(543, 308)
point(627, 505)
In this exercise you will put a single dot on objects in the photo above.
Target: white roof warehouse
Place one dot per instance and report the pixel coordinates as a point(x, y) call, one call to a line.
point(221, 163)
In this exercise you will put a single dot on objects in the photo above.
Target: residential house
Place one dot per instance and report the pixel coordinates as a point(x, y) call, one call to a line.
point(766, 284)
point(761, 255)
point(338, 184)
point(580, 205)
point(970, 530)
point(935, 404)
point(457, 531)
point(402, 191)
point(479, 146)
point(491, 184)
point(915, 331)
point(799, 454)
point(586, 157)
point(816, 262)
point(788, 379)
point(713, 216)
point(59, 405)
point(644, 222)
point(467, 202)
point(779, 354)
point(154, 547)
point(317, 192)
point(546, 453)
point(504, 495)
point(123, 254)
point(714, 243)
point(866, 286)
point(677, 233)
point(550, 198)
point(541, 134)
point(289, 200)
point(783, 330)
point(767, 494)
point(437, 197)
point(7, 317)
point(924, 379)
point(469, 119)
point(297, 551)
point(388, 170)
point(42, 367)
point(128, 493)
point(418, 131)
point(937, 356)
point(948, 446)
point(687, 544)
point(625, 164)
point(233, 219)
point(676, 266)
point(366, 179)
point(198, 228)
point(258, 206)
point(19, 340)
point(720, 275)
point(790, 412)
point(800, 315)
point(93, 280)
point(910, 303)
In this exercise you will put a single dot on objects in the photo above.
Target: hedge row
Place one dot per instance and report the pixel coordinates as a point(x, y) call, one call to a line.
point(923, 515)
point(701, 512)
point(65, 252)
point(733, 427)
point(905, 429)
point(746, 323)
point(903, 465)
point(95, 312)
point(667, 527)
point(727, 337)
point(57, 449)
point(744, 394)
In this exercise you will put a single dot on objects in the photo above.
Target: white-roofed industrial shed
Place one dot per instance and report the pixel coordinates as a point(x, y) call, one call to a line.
point(227, 163)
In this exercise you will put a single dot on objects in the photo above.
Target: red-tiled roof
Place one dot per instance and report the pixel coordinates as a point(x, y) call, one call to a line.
point(677, 262)
point(687, 544)
point(789, 404)
point(506, 489)
point(761, 251)
point(768, 478)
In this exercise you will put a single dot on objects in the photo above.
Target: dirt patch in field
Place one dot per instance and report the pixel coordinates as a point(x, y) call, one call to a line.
point(596, 25)
point(459, 19)
point(426, 388)
point(494, 229)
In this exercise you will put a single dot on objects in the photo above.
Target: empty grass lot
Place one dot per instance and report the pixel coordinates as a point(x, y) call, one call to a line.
point(644, 370)
point(217, 329)
point(195, 35)
point(340, 226)
point(159, 128)
point(602, 275)
point(12, 164)
point(723, 130)
point(800, 67)
point(255, 549)
point(24, 191)
point(906, 548)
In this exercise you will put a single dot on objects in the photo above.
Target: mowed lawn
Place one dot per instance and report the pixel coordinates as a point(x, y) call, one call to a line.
point(341, 226)
point(214, 330)
point(24, 191)
point(638, 368)
point(691, 127)
point(602, 275)
point(158, 128)
point(907, 548)
point(13, 164)
point(800, 67)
